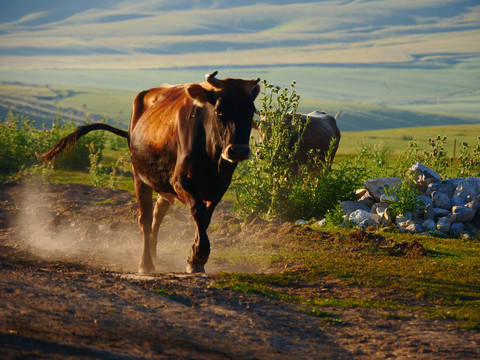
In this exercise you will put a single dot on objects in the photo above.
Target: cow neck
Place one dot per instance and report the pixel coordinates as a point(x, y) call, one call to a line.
point(213, 144)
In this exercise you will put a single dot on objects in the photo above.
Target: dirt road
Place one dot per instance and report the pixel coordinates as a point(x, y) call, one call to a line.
point(68, 289)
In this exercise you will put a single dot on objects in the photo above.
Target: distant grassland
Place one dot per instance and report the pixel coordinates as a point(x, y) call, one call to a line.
point(369, 98)
point(397, 140)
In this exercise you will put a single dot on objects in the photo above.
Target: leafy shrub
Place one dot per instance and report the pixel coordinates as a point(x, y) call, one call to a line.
point(268, 186)
point(403, 197)
point(314, 193)
point(20, 140)
point(17, 143)
point(77, 157)
point(335, 216)
point(98, 173)
point(106, 176)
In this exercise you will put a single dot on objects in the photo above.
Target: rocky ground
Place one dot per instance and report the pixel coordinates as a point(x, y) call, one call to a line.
point(68, 289)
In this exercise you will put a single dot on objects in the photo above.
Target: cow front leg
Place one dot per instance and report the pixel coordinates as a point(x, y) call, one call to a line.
point(144, 198)
point(161, 207)
point(200, 250)
point(201, 245)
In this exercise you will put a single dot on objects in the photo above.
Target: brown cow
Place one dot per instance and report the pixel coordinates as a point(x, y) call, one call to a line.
point(185, 142)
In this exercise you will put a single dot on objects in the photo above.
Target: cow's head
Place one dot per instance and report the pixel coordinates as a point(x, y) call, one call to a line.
point(233, 103)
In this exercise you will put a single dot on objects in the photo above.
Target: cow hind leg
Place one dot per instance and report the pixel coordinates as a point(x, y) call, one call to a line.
point(161, 207)
point(144, 198)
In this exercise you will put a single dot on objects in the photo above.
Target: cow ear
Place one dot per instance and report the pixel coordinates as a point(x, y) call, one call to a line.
point(202, 95)
point(255, 91)
point(197, 93)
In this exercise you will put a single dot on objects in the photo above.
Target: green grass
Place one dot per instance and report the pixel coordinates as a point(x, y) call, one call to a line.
point(173, 296)
point(442, 284)
point(324, 316)
point(42, 102)
point(417, 69)
point(358, 92)
point(397, 140)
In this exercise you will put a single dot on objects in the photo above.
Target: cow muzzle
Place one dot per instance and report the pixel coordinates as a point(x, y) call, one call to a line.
point(236, 153)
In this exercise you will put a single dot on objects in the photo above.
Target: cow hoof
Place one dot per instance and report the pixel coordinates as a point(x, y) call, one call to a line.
point(146, 269)
point(193, 269)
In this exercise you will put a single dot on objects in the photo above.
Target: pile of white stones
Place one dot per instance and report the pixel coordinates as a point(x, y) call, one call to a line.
point(447, 207)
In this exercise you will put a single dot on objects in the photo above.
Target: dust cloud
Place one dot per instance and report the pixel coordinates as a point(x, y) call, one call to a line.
point(66, 222)
point(98, 227)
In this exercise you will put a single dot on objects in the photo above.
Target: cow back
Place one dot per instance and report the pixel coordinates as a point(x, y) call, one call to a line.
point(319, 132)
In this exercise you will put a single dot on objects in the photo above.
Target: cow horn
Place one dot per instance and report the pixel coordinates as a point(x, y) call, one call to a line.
point(255, 81)
point(212, 80)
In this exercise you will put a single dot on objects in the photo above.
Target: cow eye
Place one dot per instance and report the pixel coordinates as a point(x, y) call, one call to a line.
point(219, 110)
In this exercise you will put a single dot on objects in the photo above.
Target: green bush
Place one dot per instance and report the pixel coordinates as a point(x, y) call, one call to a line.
point(17, 143)
point(20, 140)
point(76, 157)
point(268, 184)
point(403, 197)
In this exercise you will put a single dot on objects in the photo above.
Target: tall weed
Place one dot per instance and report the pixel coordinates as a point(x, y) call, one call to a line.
point(270, 186)
point(469, 160)
point(403, 197)
point(374, 159)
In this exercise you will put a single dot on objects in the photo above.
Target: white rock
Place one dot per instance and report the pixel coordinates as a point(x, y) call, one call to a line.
point(369, 222)
point(446, 186)
point(403, 217)
point(429, 213)
point(388, 199)
point(443, 224)
point(414, 228)
point(429, 225)
point(467, 189)
point(423, 175)
point(424, 201)
point(462, 214)
point(360, 192)
point(458, 201)
point(349, 207)
point(457, 228)
point(300, 222)
point(376, 186)
point(475, 203)
point(358, 216)
point(441, 200)
point(438, 212)
point(405, 224)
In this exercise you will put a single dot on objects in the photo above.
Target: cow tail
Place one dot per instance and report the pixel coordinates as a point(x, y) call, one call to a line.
point(77, 134)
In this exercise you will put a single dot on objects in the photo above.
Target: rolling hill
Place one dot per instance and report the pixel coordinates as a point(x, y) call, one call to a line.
point(384, 63)
point(159, 34)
